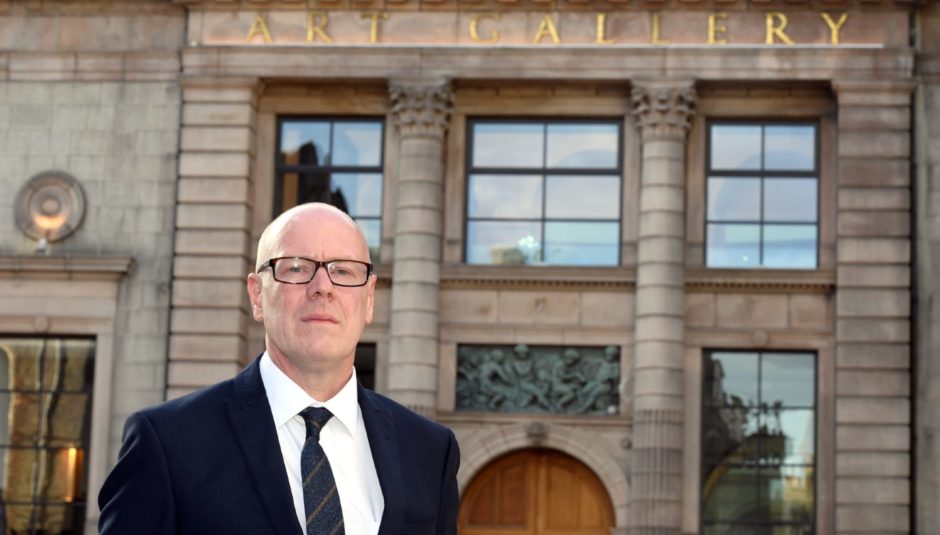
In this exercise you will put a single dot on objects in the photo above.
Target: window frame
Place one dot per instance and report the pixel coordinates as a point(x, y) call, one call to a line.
point(704, 406)
point(280, 168)
point(762, 175)
point(619, 169)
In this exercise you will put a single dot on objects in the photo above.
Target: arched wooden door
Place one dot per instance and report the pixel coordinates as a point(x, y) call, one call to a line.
point(536, 492)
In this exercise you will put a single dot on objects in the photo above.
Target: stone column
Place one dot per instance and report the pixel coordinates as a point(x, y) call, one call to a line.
point(663, 110)
point(873, 308)
point(421, 110)
point(213, 252)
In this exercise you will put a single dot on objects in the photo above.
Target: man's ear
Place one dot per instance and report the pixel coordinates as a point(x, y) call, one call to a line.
point(254, 295)
point(371, 297)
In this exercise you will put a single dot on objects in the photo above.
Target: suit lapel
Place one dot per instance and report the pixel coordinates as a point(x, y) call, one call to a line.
point(250, 416)
point(381, 431)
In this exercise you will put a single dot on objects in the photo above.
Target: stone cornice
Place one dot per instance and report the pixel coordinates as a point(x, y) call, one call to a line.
point(65, 267)
point(760, 281)
point(88, 66)
point(560, 5)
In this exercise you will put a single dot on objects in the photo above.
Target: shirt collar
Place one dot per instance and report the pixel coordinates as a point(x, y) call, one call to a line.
point(287, 398)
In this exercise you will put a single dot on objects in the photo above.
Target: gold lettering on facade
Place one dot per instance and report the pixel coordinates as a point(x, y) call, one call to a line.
point(716, 26)
point(374, 27)
point(316, 27)
point(835, 26)
point(547, 28)
point(475, 28)
point(602, 30)
point(776, 24)
point(655, 39)
point(259, 27)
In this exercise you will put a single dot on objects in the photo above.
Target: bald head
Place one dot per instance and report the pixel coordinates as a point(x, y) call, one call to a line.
point(306, 218)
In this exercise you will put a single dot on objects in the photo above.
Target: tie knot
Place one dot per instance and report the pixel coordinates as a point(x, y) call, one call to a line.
point(315, 418)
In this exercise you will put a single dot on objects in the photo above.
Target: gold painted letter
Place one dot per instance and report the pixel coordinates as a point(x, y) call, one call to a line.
point(475, 28)
point(547, 27)
point(602, 30)
point(776, 24)
point(260, 26)
point(316, 27)
point(655, 38)
point(374, 28)
point(835, 27)
point(716, 25)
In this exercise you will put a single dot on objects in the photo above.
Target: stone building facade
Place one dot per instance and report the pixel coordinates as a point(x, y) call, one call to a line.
point(717, 316)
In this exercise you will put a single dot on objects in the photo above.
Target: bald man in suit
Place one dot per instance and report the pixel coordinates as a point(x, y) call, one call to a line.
point(237, 457)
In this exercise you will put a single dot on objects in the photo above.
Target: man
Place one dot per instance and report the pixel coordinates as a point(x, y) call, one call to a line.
point(248, 456)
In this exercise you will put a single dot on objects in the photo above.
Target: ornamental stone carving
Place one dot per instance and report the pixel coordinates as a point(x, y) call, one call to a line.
point(663, 110)
point(582, 380)
point(421, 108)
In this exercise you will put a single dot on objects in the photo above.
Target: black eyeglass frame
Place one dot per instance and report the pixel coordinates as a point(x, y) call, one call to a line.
point(317, 264)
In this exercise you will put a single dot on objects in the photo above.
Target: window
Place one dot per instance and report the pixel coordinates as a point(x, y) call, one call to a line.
point(45, 413)
point(335, 161)
point(538, 379)
point(544, 192)
point(758, 443)
point(763, 191)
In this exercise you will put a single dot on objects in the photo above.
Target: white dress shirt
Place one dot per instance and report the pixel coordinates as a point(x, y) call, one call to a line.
point(344, 441)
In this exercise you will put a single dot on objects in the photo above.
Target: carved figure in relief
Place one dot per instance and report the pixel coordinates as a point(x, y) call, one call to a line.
point(567, 380)
point(495, 382)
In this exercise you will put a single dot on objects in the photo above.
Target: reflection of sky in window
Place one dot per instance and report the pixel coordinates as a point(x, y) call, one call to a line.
point(789, 147)
point(361, 191)
point(582, 145)
point(740, 376)
point(790, 199)
point(508, 145)
point(357, 143)
point(788, 378)
point(581, 243)
point(733, 199)
point(505, 196)
point(790, 246)
point(735, 147)
point(295, 134)
point(582, 197)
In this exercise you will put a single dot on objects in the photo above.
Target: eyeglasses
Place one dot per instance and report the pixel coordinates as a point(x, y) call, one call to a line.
point(299, 270)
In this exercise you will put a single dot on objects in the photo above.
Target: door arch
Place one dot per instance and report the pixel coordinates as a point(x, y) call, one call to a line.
point(536, 492)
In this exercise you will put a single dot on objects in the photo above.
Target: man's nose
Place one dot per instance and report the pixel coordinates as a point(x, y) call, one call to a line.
point(320, 283)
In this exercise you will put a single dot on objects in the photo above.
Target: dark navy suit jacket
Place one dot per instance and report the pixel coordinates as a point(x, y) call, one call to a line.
point(210, 463)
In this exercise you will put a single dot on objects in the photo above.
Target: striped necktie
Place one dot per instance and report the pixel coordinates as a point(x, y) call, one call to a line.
point(321, 500)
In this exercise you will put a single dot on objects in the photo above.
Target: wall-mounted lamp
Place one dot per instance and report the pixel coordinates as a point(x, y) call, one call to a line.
point(49, 207)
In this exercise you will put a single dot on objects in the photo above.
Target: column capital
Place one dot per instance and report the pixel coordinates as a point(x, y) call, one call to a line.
point(421, 107)
point(663, 109)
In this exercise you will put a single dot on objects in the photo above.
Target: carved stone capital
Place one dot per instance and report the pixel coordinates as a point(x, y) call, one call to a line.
point(663, 110)
point(421, 108)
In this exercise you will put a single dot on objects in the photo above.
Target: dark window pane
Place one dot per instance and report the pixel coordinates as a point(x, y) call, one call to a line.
point(582, 243)
point(790, 246)
point(733, 199)
point(497, 242)
point(357, 143)
point(731, 436)
point(788, 379)
point(358, 194)
point(505, 196)
point(592, 146)
point(365, 365)
point(508, 145)
point(735, 147)
point(23, 420)
point(305, 142)
point(730, 493)
point(582, 197)
point(789, 148)
point(68, 419)
point(790, 200)
point(733, 245)
point(787, 493)
point(732, 379)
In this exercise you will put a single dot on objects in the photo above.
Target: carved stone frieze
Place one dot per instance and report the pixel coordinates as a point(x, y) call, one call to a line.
point(421, 108)
point(663, 110)
point(540, 379)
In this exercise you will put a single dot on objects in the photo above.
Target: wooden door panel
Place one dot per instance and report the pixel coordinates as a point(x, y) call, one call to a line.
point(536, 492)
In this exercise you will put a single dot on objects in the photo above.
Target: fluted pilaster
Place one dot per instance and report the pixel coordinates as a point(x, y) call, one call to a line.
point(663, 111)
point(421, 110)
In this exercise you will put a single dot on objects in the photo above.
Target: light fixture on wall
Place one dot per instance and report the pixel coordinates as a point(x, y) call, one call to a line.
point(49, 207)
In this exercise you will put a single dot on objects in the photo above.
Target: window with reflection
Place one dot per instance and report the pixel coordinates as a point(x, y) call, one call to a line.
point(763, 195)
point(45, 420)
point(544, 192)
point(338, 161)
point(758, 443)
